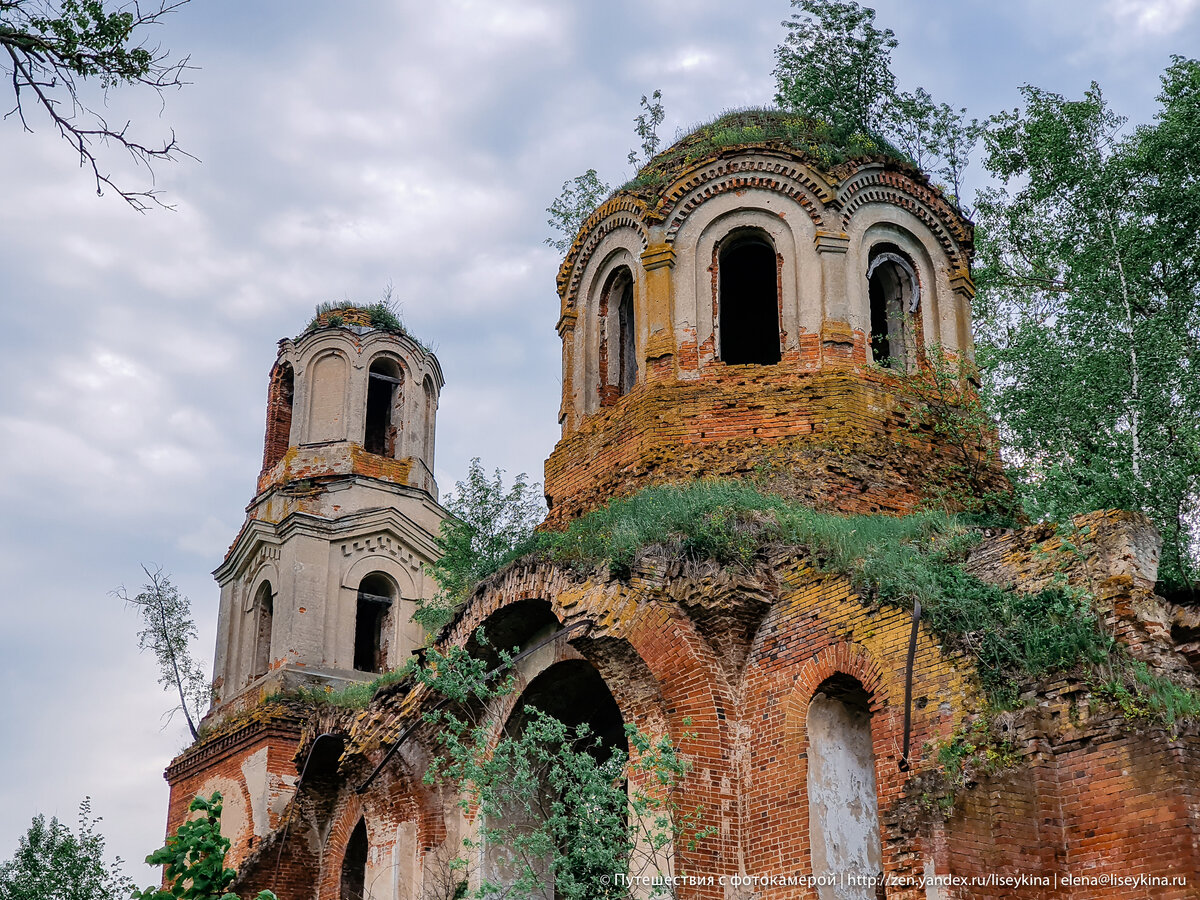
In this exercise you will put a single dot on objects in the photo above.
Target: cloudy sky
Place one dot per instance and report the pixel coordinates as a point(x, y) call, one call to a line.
point(342, 147)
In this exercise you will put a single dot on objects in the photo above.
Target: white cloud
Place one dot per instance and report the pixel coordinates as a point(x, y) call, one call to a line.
point(1150, 18)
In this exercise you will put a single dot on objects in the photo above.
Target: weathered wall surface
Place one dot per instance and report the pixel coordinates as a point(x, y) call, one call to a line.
point(841, 441)
point(732, 665)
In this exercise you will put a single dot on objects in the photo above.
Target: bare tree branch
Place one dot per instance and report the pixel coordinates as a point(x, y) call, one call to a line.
point(50, 48)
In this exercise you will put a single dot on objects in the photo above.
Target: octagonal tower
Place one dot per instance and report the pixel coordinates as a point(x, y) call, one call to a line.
point(321, 582)
point(743, 308)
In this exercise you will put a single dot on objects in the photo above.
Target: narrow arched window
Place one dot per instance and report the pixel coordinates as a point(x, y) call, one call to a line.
point(354, 864)
point(279, 414)
point(264, 613)
point(376, 594)
point(748, 288)
point(616, 363)
point(894, 294)
point(430, 420)
point(843, 809)
point(383, 387)
point(627, 355)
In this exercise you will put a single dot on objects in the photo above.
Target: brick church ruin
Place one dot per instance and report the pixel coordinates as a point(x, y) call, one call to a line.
point(747, 313)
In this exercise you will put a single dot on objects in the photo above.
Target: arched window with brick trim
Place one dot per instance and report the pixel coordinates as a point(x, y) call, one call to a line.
point(279, 414)
point(748, 299)
point(617, 364)
point(354, 864)
point(843, 808)
point(894, 294)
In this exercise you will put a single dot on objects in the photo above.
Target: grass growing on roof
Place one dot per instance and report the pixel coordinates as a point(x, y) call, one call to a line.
point(890, 560)
point(759, 125)
point(353, 696)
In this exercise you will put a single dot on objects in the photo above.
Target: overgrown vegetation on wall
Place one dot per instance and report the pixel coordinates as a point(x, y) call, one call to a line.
point(1012, 637)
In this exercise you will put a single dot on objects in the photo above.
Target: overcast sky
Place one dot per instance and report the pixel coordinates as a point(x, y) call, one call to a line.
point(342, 147)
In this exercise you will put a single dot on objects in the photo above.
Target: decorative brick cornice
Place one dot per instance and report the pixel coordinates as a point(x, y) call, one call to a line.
point(205, 754)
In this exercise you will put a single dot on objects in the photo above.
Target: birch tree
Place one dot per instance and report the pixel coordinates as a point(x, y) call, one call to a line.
point(1088, 313)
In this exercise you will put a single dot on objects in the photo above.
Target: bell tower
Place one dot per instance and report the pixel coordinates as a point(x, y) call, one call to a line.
point(321, 582)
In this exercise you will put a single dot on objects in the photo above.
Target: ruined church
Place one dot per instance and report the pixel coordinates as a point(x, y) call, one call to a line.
point(748, 308)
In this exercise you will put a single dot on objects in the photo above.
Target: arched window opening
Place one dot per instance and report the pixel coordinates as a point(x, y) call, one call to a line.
point(574, 693)
point(279, 414)
point(749, 301)
point(894, 295)
point(843, 808)
point(430, 420)
point(627, 355)
point(383, 385)
point(376, 593)
point(264, 610)
point(616, 363)
point(354, 864)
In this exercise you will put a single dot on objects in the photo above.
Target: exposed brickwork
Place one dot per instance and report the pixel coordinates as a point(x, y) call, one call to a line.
point(837, 440)
point(252, 766)
point(279, 414)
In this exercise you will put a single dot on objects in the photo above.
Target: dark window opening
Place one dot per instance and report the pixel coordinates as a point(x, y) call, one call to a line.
point(279, 415)
point(627, 360)
point(264, 608)
point(375, 596)
point(354, 864)
point(383, 383)
point(881, 345)
point(749, 303)
point(892, 293)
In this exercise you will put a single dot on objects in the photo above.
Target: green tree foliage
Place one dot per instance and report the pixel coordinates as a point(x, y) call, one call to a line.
point(168, 630)
point(50, 48)
point(488, 520)
point(193, 859)
point(52, 863)
point(566, 810)
point(835, 65)
point(582, 195)
point(579, 198)
point(1089, 307)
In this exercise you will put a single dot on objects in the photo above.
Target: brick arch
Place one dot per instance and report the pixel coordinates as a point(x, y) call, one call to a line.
point(619, 212)
point(839, 659)
point(334, 850)
point(790, 179)
point(846, 658)
point(879, 185)
point(671, 652)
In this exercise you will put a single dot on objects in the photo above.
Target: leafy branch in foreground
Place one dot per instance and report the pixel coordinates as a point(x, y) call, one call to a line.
point(168, 630)
point(48, 49)
point(193, 859)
